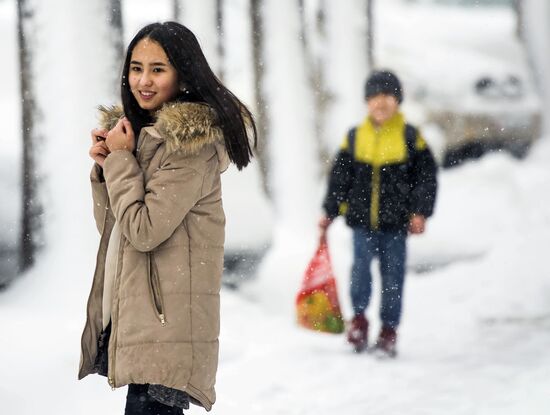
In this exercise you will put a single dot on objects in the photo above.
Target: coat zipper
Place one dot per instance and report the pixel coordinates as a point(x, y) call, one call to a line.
point(156, 292)
point(114, 320)
point(154, 281)
point(375, 186)
point(375, 198)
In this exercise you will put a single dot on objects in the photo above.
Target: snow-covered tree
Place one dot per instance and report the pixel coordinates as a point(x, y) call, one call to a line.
point(370, 33)
point(291, 144)
point(220, 28)
point(345, 68)
point(65, 74)
point(41, 40)
point(257, 41)
point(237, 44)
point(312, 13)
point(177, 9)
point(30, 226)
point(116, 40)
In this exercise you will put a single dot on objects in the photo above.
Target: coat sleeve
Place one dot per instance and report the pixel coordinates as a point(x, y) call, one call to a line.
point(339, 184)
point(99, 196)
point(423, 179)
point(149, 213)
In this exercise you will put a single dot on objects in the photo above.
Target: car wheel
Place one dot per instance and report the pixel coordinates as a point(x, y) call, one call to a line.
point(519, 150)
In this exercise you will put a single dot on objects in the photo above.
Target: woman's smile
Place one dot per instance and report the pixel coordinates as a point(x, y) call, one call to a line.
point(153, 79)
point(147, 95)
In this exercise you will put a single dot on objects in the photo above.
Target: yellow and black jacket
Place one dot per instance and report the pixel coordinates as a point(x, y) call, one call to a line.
point(381, 177)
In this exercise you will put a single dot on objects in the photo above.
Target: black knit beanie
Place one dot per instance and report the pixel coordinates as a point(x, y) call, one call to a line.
point(384, 82)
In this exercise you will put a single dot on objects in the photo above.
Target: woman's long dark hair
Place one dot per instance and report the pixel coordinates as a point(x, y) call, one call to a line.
point(185, 54)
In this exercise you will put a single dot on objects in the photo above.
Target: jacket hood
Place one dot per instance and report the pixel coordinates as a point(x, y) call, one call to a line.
point(184, 126)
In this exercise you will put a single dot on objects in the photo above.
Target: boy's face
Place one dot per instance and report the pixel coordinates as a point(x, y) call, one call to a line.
point(381, 108)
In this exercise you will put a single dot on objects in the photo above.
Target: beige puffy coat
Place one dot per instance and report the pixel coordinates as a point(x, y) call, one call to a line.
point(167, 202)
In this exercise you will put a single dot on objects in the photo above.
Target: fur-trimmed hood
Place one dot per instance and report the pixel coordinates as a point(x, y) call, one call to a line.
point(184, 126)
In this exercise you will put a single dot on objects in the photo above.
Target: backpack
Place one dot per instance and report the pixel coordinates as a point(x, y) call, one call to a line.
point(410, 138)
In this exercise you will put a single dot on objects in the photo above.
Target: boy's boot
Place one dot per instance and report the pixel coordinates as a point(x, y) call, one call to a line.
point(358, 333)
point(386, 342)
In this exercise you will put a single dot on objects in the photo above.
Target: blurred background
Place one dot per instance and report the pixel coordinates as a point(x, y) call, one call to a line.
point(476, 76)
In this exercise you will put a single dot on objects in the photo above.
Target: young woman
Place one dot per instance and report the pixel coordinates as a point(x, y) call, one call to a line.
point(153, 311)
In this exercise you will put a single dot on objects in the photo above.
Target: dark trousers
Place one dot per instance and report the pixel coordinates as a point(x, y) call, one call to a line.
point(390, 248)
point(138, 402)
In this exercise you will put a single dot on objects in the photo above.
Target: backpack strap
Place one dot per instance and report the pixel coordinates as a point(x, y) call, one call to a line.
point(410, 137)
point(351, 141)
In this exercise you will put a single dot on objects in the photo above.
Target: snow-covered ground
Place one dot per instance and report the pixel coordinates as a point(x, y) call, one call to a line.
point(474, 338)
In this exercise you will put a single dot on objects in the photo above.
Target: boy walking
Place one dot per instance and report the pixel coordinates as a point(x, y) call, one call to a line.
point(384, 182)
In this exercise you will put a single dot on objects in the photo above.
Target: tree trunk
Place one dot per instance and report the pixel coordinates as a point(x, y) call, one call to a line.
point(291, 116)
point(38, 30)
point(260, 100)
point(292, 149)
point(220, 31)
point(177, 10)
point(312, 34)
point(117, 30)
point(117, 27)
point(370, 34)
point(518, 8)
point(345, 68)
point(32, 209)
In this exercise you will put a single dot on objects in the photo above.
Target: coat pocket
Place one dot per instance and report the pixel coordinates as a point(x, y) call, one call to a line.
point(155, 289)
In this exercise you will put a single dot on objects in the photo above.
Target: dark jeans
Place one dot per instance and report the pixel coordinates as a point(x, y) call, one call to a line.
point(390, 247)
point(138, 402)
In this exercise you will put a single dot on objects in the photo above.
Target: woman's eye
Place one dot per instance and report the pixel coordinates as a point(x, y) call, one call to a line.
point(135, 69)
point(158, 70)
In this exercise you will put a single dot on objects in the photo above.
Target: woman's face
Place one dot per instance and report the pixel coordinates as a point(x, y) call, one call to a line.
point(153, 80)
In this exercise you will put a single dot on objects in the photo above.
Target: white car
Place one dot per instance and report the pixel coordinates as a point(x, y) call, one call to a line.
point(465, 70)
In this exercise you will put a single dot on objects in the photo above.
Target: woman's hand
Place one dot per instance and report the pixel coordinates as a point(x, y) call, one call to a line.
point(99, 150)
point(121, 137)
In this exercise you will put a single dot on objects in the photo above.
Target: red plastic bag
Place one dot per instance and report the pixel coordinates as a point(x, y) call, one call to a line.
point(317, 304)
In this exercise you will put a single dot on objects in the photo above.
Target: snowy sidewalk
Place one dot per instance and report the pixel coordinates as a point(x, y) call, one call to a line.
point(474, 339)
point(475, 334)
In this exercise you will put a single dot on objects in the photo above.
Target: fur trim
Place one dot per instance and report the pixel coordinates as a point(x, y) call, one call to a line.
point(187, 127)
point(109, 116)
point(184, 126)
